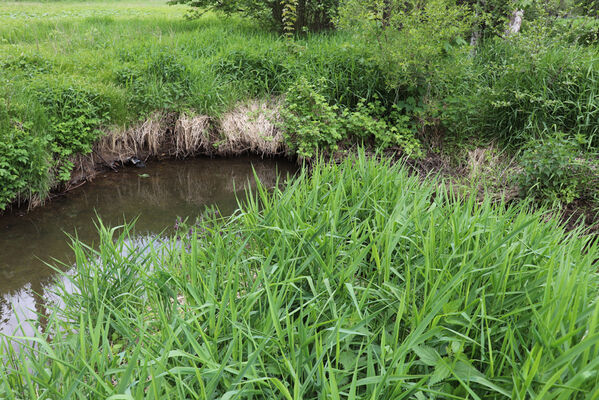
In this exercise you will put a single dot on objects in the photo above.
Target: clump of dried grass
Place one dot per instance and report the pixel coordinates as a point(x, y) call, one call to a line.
point(191, 135)
point(143, 139)
point(252, 127)
point(491, 171)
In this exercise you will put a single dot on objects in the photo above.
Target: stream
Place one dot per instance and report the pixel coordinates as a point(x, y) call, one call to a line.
point(157, 195)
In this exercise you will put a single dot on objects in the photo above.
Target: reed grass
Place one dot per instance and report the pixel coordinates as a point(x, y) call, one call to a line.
point(355, 281)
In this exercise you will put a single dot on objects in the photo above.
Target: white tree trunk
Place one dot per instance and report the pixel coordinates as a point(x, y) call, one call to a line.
point(515, 23)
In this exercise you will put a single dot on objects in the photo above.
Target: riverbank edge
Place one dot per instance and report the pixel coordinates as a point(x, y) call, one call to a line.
point(252, 127)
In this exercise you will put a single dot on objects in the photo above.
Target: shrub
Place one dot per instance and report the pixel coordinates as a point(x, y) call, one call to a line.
point(75, 117)
point(556, 171)
point(312, 123)
point(23, 161)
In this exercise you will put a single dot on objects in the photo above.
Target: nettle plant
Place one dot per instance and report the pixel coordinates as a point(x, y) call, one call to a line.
point(75, 118)
point(23, 164)
point(556, 171)
point(311, 123)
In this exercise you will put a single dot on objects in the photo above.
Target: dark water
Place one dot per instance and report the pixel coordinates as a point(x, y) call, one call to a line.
point(173, 189)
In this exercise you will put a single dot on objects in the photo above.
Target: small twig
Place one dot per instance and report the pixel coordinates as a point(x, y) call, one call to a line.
point(105, 162)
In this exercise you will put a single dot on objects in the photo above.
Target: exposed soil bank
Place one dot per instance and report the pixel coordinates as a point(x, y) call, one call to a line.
point(251, 128)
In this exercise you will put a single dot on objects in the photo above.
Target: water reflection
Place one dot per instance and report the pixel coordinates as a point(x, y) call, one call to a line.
point(170, 190)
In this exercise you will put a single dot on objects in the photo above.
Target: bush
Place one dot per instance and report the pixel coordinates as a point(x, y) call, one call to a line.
point(310, 122)
point(555, 170)
point(75, 116)
point(24, 161)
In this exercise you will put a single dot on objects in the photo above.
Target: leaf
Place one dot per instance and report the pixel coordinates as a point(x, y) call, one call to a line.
point(427, 355)
point(441, 372)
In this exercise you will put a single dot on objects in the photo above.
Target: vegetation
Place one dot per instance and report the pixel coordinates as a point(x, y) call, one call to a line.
point(402, 290)
point(82, 69)
point(357, 280)
point(126, 61)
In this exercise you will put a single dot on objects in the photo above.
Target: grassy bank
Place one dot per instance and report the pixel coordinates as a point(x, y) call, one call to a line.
point(356, 282)
point(137, 78)
point(73, 72)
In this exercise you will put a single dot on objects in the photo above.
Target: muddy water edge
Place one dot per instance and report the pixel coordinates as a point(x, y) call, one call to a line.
point(157, 195)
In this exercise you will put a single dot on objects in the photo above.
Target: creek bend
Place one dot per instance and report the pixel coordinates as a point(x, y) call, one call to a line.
point(157, 195)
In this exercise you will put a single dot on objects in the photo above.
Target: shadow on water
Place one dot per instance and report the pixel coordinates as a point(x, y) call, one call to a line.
point(157, 195)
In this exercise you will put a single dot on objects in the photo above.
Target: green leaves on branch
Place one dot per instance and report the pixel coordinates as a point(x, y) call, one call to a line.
point(310, 122)
point(287, 16)
point(555, 170)
point(413, 42)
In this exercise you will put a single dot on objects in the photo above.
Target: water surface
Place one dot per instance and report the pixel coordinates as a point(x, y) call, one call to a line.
point(156, 195)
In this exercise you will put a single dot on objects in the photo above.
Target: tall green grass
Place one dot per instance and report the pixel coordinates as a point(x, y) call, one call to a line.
point(356, 281)
point(526, 88)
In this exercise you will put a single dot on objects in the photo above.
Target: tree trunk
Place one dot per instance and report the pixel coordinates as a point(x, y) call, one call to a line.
point(277, 13)
point(515, 23)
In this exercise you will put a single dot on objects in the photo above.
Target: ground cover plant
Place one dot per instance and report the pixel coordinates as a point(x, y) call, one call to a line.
point(404, 290)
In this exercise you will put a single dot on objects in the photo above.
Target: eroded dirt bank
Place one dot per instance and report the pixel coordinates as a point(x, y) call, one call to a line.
point(250, 128)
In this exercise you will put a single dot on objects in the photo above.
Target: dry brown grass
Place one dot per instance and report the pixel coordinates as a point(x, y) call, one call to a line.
point(191, 135)
point(252, 127)
point(142, 140)
point(491, 172)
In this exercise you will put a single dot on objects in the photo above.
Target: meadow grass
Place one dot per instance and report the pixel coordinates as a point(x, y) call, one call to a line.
point(356, 281)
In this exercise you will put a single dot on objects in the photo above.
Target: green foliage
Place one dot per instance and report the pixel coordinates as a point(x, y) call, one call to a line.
point(75, 116)
point(287, 16)
point(29, 65)
point(582, 30)
point(162, 83)
point(406, 59)
point(356, 281)
point(555, 170)
point(312, 123)
point(261, 72)
point(23, 162)
point(524, 88)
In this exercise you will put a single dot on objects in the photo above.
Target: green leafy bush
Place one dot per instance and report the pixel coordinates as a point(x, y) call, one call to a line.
point(75, 116)
point(23, 162)
point(312, 123)
point(583, 30)
point(555, 170)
